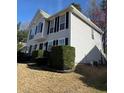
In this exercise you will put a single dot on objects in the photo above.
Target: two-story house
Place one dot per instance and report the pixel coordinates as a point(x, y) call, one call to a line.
point(67, 27)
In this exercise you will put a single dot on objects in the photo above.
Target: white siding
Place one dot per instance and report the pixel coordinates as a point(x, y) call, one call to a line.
point(81, 39)
point(52, 36)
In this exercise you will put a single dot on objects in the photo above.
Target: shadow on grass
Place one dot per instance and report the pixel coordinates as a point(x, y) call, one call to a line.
point(23, 62)
point(95, 77)
point(35, 66)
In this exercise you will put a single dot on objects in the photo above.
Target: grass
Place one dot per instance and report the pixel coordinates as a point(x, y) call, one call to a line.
point(41, 81)
point(93, 76)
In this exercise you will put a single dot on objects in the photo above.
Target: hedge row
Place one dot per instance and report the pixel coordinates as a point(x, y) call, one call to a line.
point(60, 57)
point(37, 54)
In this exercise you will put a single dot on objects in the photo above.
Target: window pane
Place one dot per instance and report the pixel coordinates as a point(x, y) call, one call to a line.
point(62, 19)
point(51, 30)
point(62, 22)
point(62, 42)
point(51, 26)
point(62, 26)
point(50, 44)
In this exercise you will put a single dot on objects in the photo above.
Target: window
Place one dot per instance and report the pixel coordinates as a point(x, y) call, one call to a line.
point(62, 42)
point(50, 44)
point(51, 26)
point(40, 25)
point(62, 22)
point(62, 26)
point(46, 45)
point(32, 33)
point(35, 47)
point(92, 33)
point(41, 46)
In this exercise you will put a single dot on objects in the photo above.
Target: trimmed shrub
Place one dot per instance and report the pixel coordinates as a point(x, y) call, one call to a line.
point(62, 57)
point(23, 57)
point(46, 54)
point(37, 54)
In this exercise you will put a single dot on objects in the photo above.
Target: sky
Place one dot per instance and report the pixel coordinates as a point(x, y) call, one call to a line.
point(26, 9)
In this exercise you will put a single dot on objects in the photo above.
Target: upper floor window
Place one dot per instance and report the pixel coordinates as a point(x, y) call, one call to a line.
point(32, 33)
point(51, 26)
point(62, 22)
point(40, 26)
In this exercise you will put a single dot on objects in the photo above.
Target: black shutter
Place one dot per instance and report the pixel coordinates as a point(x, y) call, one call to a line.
point(41, 27)
point(55, 25)
point(66, 41)
point(54, 43)
point(46, 45)
point(30, 34)
point(36, 30)
point(48, 27)
point(67, 19)
point(58, 24)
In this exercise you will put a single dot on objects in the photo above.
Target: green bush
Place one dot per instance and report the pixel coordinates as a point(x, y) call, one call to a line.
point(62, 57)
point(19, 46)
point(37, 54)
point(46, 54)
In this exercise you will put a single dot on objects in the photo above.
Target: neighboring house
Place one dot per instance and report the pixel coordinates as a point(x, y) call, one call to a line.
point(67, 27)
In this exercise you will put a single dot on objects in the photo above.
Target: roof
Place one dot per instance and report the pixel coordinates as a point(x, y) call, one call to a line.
point(39, 13)
point(75, 11)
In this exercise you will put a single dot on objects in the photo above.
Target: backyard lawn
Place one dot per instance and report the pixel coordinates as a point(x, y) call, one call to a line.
point(41, 81)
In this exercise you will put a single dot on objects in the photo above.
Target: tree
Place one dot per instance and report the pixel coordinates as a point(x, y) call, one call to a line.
point(97, 13)
point(21, 34)
point(103, 7)
point(77, 6)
